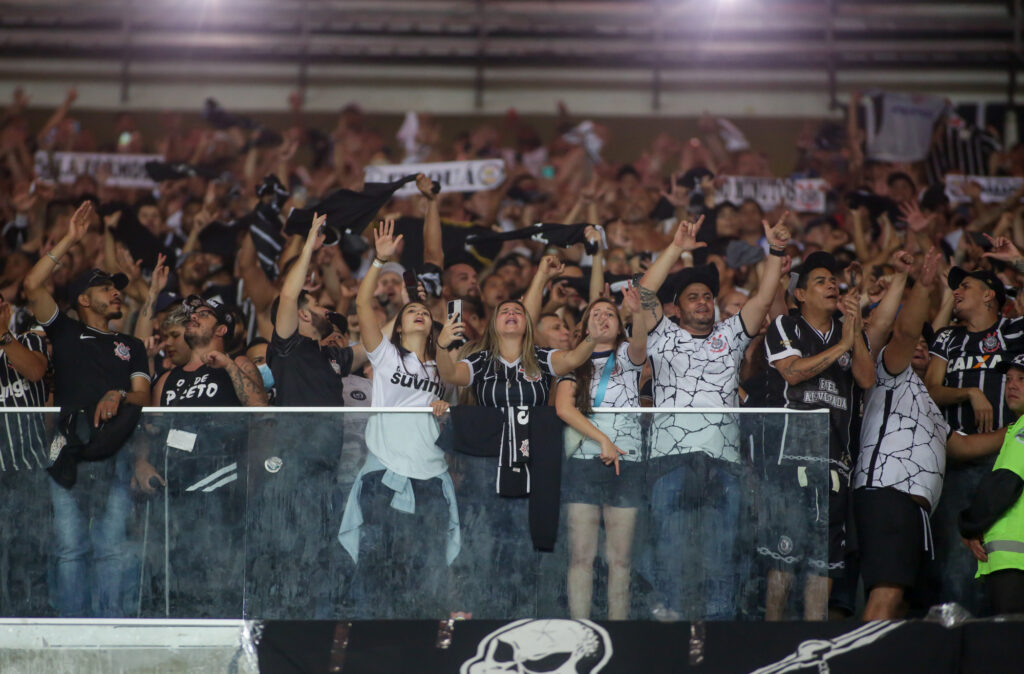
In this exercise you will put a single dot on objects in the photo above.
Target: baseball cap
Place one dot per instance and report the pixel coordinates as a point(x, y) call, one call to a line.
point(817, 260)
point(95, 278)
point(219, 309)
point(958, 274)
point(676, 283)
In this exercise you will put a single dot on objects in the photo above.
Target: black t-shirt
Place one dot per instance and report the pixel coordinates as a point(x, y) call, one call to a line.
point(88, 362)
point(970, 361)
point(831, 389)
point(306, 374)
point(498, 383)
point(204, 387)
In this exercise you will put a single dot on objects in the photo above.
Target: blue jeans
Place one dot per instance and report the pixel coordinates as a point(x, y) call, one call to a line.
point(695, 520)
point(91, 517)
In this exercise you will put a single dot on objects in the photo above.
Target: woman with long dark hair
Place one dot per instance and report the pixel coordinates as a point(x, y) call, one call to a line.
point(401, 523)
point(595, 483)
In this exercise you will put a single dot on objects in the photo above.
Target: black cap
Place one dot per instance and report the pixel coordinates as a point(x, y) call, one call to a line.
point(1017, 362)
point(165, 300)
point(678, 282)
point(816, 260)
point(219, 309)
point(958, 274)
point(94, 278)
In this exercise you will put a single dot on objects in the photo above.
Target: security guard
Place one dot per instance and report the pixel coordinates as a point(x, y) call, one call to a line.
point(993, 525)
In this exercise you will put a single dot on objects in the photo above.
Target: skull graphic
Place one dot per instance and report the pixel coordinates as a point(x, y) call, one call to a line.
point(548, 646)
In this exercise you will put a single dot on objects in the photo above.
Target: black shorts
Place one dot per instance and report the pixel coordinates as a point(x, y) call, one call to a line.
point(893, 533)
point(588, 480)
point(803, 515)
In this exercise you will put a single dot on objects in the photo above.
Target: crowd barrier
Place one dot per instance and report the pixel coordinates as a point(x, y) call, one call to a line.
point(248, 523)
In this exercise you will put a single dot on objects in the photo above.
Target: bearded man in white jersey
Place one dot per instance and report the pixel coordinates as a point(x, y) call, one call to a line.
point(696, 498)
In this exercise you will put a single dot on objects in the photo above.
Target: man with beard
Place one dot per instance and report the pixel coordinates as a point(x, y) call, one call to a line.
point(208, 483)
point(459, 280)
point(695, 501)
point(210, 378)
point(291, 511)
point(814, 360)
point(307, 374)
point(105, 373)
point(964, 379)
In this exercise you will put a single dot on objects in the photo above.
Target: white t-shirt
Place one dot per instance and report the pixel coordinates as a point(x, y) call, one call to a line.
point(694, 371)
point(903, 436)
point(405, 442)
point(622, 391)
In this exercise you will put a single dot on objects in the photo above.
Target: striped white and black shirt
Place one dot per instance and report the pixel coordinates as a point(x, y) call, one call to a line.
point(964, 149)
point(22, 442)
point(971, 359)
point(499, 383)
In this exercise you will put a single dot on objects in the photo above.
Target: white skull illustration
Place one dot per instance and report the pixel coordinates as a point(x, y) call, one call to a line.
point(548, 646)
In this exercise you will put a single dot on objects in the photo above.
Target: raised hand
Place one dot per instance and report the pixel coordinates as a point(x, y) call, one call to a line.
point(631, 299)
point(916, 220)
point(160, 273)
point(777, 236)
point(110, 221)
point(314, 237)
point(452, 331)
point(1002, 249)
point(686, 235)
point(930, 268)
point(591, 234)
point(426, 186)
point(79, 224)
point(677, 195)
point(901, 261)
point(385, 240)
point(550, 267)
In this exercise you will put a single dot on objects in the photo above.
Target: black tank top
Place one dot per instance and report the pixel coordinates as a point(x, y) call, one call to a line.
point(205, 387)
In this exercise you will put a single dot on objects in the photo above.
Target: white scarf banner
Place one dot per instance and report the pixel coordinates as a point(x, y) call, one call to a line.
point(804, 195)
point(993, 190)
point(126, 170)
point(454, 176)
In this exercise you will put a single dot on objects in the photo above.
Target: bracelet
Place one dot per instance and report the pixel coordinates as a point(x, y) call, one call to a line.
point(777, 252)
point(377, 263)
point(55, 260)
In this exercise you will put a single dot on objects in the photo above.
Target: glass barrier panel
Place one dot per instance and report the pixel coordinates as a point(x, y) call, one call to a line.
point(288, 514)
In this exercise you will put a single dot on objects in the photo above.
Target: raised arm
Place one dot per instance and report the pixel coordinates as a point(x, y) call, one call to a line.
point(862, 365)
point(885, 313)
point(40, 302)
point(450, 370)
point(144, 324)
point(685, 240)
point(386, 243)
point(27, 362)
point(637, 349)
point(288, 306)
point(907, 330)
point(597, 268)
point(756, 308)
point(564, 362)
point(533, 301)
point(433, 250)
point(245, 378)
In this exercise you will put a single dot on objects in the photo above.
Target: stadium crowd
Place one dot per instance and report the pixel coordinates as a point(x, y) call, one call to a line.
point(261, 269)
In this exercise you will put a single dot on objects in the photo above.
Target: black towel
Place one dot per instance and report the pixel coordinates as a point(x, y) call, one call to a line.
point(88, 443)
point(548, 233)
point(348, 212)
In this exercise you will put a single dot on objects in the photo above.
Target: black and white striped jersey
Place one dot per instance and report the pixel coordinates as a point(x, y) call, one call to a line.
point(22, 445)
point(832, 389)
point(903, 437)
point(971, 359)
point(697, 371)
point(499, 383)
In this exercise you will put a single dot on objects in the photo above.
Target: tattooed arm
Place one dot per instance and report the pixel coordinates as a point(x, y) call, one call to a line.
point(245, 378)
point(685, 240)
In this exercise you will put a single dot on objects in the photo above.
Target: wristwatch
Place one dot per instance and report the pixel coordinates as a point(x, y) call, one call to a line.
point(124, 394)
point(7, 338)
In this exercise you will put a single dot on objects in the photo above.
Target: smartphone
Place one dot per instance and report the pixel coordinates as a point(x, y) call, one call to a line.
point(412, 286)
point(455, 311)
